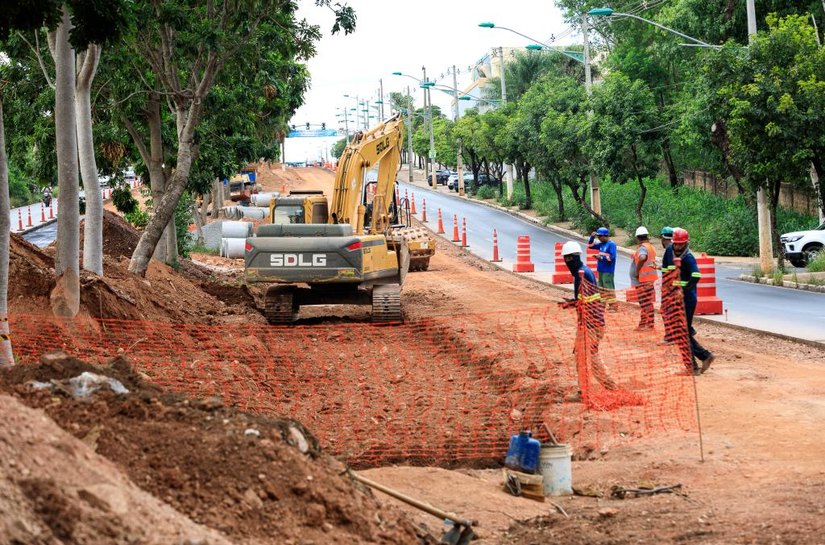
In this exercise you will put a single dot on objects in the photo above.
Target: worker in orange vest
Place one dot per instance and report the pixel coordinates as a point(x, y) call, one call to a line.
point(643, 276)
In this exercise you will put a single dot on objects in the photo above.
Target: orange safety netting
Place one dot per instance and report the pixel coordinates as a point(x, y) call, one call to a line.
point(446, 391)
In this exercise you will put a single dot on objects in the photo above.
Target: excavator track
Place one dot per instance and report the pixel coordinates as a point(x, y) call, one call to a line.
point(386, 303)
point(278, 305)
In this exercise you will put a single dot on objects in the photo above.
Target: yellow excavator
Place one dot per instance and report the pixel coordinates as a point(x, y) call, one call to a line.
point(354, 250)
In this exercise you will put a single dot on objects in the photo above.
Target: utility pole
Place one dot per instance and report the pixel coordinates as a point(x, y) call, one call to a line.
point(763, 213)
point(508, 169)
point(381, 100)
point(595, 194)
point(431, 154)
point(459, 166)
point(409, 135)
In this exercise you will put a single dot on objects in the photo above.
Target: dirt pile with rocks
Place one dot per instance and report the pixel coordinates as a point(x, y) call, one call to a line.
point(153, 467)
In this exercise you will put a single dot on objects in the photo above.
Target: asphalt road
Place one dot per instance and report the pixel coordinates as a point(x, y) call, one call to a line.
point(791, 312)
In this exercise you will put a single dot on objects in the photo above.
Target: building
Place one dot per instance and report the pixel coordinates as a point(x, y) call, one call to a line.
point(485, 69)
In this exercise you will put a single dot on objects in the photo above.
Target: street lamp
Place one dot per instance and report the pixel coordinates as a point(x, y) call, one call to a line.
point(426, 86)
point(608, 12)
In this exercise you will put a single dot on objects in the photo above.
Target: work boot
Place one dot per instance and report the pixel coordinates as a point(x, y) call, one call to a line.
point(706, 362)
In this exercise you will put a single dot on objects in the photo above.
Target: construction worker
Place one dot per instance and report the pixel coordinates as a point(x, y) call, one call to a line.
point(643, 276)
point(590, 314)
point(669, 316)
point(605, 261)
point(687, 280)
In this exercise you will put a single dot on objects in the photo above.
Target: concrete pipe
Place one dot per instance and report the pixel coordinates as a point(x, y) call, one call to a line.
point(233, 248)
point(236, 229)
point(252, 212)
point(263, 200)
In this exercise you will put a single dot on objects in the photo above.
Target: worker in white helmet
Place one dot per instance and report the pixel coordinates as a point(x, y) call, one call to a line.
point(590, 310)
point(643, 276)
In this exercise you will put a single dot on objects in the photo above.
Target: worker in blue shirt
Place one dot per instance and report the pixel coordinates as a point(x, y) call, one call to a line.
point(687, 280)
point(605, 262)
point(669, 317)
point(590, 309)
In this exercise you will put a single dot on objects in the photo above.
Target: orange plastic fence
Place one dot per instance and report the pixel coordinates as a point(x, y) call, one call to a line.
point(446, 391)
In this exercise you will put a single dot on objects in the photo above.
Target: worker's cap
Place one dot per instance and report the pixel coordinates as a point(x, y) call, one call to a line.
point(570, 248)
point(603, 231)
point(667, 232)
point(641, 231)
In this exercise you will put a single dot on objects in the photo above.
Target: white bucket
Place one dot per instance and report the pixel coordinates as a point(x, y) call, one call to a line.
point(557, 469)
point(236, 229)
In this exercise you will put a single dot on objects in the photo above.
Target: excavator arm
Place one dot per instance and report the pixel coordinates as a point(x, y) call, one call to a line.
point(381, 145)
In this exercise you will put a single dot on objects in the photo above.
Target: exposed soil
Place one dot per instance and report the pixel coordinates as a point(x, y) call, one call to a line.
point(249, 478)
point(761, 408)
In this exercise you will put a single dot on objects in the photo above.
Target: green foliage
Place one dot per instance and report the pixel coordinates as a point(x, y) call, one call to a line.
point(201, 249)
point(818, 264)
point(138, 218)
point(486, 192)
point(123, 200)
point(338, 148)
point(20, 192)
point(183, 218)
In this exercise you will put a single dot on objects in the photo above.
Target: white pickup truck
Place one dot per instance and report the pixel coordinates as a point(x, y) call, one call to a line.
point(802, 247)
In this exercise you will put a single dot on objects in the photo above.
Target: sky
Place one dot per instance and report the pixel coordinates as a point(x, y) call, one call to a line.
point(402, 36)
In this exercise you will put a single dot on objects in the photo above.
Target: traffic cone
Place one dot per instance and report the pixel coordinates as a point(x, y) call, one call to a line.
point(464, 233)
point(397, 195)
point(455, 229)
point(19, 220)
point(496, 258)
point(561, 274)
point(424, 210)
point(708, 302)
point(42, 214)
point(440, 224)
point(523, 263)
point(407, 196)
point(30, 217)
point(51, 210)
point(412, 206)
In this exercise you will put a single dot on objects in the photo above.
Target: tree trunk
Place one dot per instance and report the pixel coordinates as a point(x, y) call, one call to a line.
point(579, 197)
point(65, 297)
point(641, 202)
point(93, 225)
point(557, 187)
point(196, 214)
point(6, 353)
point(773, 189)
point(671, 168)
point(818, 181)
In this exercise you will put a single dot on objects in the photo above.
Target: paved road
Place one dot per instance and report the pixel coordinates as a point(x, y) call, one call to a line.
point(779, 310)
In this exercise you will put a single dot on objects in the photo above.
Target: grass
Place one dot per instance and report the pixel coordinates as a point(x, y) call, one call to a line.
point(818, 264)
point(201, 249)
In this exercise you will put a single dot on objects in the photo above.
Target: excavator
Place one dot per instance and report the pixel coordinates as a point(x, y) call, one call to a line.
point(354, 250)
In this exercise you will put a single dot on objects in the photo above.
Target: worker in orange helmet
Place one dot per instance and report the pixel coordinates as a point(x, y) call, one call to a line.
point(687, 280)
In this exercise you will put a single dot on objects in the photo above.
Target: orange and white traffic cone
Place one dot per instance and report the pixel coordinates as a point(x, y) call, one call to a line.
point(29, 224)
point(440, 224)
point(496, 258)
point(424, 210)
point(412, 205)
point(51, 210)
point(19, 220)
point(397, 195)
point(455, 229)
point(523, 263)
point(464, 233)
point(42, 214)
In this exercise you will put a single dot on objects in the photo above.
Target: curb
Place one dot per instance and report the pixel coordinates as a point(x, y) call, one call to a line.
point(785, 284)
point(35, 227)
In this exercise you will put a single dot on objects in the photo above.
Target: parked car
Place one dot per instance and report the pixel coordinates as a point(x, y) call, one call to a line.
point(452, 181)
point(486, 179)
point(442, 175)
point(802, 247)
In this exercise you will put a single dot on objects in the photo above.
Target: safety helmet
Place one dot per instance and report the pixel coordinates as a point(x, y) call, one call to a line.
point(641, 231)
point(667, 232)
point(680, 236)
point(571, 247)
point(603, 231)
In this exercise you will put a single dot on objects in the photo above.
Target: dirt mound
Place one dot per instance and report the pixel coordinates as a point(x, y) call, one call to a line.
point(164, 295)
point(257, 480)
point(119, 237)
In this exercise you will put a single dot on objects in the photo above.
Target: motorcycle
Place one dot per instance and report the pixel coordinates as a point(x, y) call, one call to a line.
point(47, 200)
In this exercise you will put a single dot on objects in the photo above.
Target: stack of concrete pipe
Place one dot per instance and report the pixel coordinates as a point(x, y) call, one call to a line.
point(234, 235)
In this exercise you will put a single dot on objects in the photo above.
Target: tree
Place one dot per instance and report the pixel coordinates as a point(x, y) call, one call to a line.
point(185, 48)
point(468, 129)
point(623, 133)
point(338, 148)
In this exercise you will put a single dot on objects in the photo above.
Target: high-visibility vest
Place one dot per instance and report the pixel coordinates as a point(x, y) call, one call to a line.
point(648, 272)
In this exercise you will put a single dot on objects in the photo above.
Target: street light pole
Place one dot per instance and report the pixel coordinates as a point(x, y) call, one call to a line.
point(763, 213)
point(595, 194)
point(381, 99)
point(508, 169)
point(431, 154)
point(459, 166)
point(409, 135)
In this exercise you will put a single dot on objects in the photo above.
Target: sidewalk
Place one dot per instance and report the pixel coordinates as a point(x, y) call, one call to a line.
point(560, 228)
